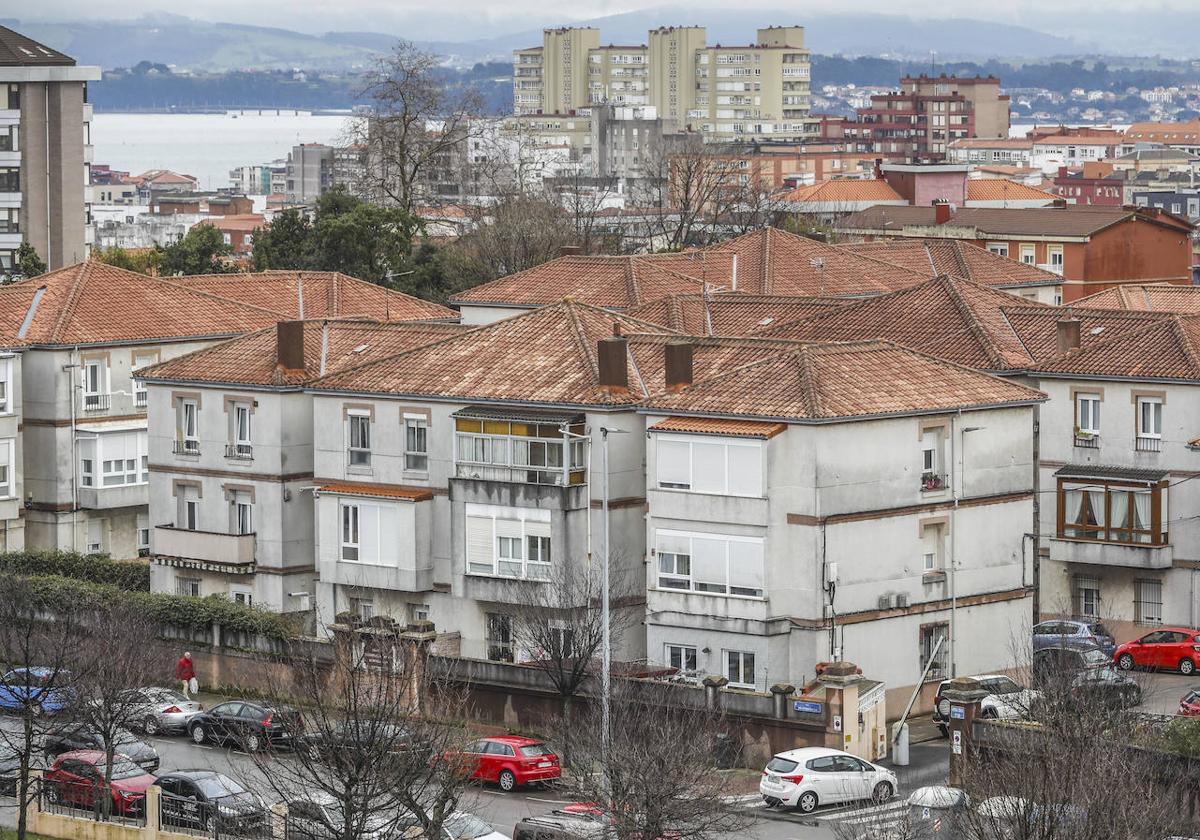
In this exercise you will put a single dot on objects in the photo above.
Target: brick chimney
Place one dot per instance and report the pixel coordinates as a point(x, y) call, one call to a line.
point(611, 357)
point(289, 345)
point(1062, 172)
point(1068, 334)
point(941, 211)
point(677, 359)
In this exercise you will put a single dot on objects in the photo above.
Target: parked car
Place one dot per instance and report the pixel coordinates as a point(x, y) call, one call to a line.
point(1050, 633)
point(1007, 700)
point(1173, 648)
point(1189, 705)
point(211, 802)
point(560, 825)
point(319, 816)
point(1086, 672)
point(80, 736)
point(10, 768)
point(45, 689)
point(937, 812)
point(370, 735)
point(77, 778)
point(245, 724)
point(461, 825)
point(509, 760)
point(159, 710)
point(812, 776)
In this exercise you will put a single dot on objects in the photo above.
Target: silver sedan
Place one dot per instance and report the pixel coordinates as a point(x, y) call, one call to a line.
point(157, 710)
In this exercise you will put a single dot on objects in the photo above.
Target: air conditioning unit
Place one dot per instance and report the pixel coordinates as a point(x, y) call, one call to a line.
point(901, 600)
point(885, 602)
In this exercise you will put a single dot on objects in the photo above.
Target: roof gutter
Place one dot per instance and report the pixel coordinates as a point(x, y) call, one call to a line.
point(825, 421)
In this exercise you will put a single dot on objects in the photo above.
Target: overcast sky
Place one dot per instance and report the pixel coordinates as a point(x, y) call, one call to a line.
point(470, 19)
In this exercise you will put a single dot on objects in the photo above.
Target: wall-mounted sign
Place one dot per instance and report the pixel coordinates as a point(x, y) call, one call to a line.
point(958, 713)
point(811, 706)
point(837, 723)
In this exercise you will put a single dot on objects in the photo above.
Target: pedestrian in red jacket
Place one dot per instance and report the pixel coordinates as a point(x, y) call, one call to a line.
point(185, 672)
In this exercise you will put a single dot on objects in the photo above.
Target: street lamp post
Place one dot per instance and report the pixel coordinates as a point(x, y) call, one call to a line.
point(606, 628)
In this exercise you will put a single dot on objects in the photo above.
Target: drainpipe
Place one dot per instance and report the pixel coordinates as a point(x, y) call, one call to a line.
point(955, 479)
point(50, 261)
point(74, 458)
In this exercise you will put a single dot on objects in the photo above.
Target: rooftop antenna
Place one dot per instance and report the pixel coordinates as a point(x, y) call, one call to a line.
point(932, 62)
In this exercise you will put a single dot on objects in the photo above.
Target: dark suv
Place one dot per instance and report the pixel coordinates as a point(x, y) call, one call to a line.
point(245, 724)
point(1087, 672)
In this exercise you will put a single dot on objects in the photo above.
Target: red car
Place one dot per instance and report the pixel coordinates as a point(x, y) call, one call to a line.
point(1189, 706)
point(509, 761)
point(77, 777)
point(1173, 648)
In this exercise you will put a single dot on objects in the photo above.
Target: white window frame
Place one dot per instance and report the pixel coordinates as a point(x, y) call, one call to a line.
point(6, 377)
point(1155, 404)
point(350, 540)
point(191, 514)
point(932, 542)
point(143, 531)
point(87, 472)
point(189, 424)
point(1029, 254)
point(1054, 256)
point(243, 514)
point(736, 674)
point(513, 550)
point(7, 448)
point(141, 396)
point(689, 577)
point(187, 586)
point(361, 419)
point(243, 433)
point(101, 385)
point(1000, 249)
point(416, 459)
point(673, 652)
point(1087, 413)
point(1087, 606)
point(1148, 610)
point(241, 595)
point(734, 450)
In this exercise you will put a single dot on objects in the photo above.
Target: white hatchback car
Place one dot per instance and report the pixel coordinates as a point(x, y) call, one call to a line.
point(812, 776)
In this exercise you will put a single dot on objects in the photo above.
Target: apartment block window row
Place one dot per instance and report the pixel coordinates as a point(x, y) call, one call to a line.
point(113, 459)
point(525, 451)
point(508, 542)
point(1112, 511)
point(710, 465)
point(1148, 418)
point(710, 563)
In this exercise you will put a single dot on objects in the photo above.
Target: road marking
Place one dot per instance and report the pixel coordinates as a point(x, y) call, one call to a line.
point(551, 801)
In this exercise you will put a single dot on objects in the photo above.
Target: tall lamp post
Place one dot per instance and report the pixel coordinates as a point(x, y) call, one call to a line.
point(606, 658)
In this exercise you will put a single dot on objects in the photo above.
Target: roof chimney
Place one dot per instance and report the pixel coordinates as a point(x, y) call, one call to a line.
point(289, 345)
point(611, 356)
point(941, 211)
point(1068, 334)
point(1063, 172)
point(570, 251)
point(1059, 202)
point(677, 359)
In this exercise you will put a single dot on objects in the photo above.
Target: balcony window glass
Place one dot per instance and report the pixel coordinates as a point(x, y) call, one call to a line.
point(1087, 414)
point(95, 381)
point(416, 443)
point(711, 563)
point(519, 451)
point(359, 447)
point(189, 415)
point(508, 542)
point(709, 465)
point(350, 532)
point(370, 532)
point(1149, 417)
point(1108, 512)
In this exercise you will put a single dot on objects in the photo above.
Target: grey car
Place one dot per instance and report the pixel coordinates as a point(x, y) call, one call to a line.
point(156, 711)
point(1054, 632)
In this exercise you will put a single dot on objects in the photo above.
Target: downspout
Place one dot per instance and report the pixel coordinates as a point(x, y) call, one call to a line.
point(74, 459)
point(50, 261)
point(955, 484)
point(1037, 518)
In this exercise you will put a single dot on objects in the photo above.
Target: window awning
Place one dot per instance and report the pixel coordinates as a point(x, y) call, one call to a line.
point(717, 426)
point(1095, 472)
point(383, 491)
point(487, 412)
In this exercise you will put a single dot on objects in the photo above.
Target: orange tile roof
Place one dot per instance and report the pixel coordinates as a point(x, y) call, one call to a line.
point(250, 359)
point(386, 491)
point(1166, 348)
point(544, 356)
point(951, 318)
point(1148, 297)
point(817, 382)
point(1038, 325)
point(247, 222)
point(327, 294)
point(961, 259)
point(92, 302)
point(611, 282)
point(774, 262)
point(729, 313)
point(842, 190)
point(716, 426)
point(1000, 189)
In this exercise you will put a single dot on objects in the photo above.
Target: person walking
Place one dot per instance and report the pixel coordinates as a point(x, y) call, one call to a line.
point(185, 672)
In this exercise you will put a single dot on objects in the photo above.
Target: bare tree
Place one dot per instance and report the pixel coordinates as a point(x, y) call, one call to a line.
point(517, 232)
point(121, 652)
point(416, 125)
point(688, 185)
point(36, 647)
point(376, 728)
point(656, 776)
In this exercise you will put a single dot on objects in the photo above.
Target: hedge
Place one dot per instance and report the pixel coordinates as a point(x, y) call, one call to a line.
point(56, 593)
point(130, 575)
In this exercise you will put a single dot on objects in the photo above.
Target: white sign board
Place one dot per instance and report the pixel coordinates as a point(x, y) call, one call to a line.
point(956, 744)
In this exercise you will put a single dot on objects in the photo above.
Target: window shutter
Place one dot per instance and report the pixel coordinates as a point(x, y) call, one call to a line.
point(673, 466)
point(708, 467)
point(368, 533)
point(480, 548)
point(389, 535)
point(709, 563)
point(745, 470)
point(672, 543)
point(746, 565)
point(537, 529)
point(508, 528)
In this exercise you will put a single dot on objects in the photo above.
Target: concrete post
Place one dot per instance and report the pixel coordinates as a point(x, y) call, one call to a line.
point(153, 812)
point(782, 693)
point(415, 642)
point(965, 695)
point(840, 681)
point(712, 691)
point(278, 817)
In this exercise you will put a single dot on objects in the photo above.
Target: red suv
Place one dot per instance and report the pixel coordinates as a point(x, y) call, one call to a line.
point(1174, 648)
point(76, 778)
point(509, 761)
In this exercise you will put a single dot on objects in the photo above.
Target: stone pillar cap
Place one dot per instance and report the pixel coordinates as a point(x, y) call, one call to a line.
point(964, 690)
point(783, 688)
point(843, 673)
point(715, 681)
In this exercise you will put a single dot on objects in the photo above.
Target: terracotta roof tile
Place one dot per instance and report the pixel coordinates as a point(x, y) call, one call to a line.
point(842, 190)
point(1167, 348)
point(717, 426)
point(842, 381)
point(961, 259)
point(1038, 326)
point(1073, 220)
point(250, 359)
point(729, 314)
point(949, 317)
point(386, 491)
point(1148, 297)
point(327, 294)
point(1001, 189)
point(92, 303)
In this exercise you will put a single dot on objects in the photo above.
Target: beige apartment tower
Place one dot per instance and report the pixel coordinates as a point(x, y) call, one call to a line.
point(45, 152)
point(672, 56)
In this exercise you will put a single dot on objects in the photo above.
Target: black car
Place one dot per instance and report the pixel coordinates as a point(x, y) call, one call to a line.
point(1086, 671)
point(211, 802)
point(245, 724)
point(82, 737)
point(354, 735)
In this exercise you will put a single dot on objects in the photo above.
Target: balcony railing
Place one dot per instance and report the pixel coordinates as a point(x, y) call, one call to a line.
point(186, 447)
point(1147, 444)
point(1087, 441)
point(932, 482)
point(96, 402)
point(204, 546)
point(518, 474)
point(141, 398)
point(239, 451)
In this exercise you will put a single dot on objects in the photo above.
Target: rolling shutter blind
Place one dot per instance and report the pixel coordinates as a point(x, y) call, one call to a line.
point(745, 470)
point(480, 545)
point(708, 467)
point(746, 565)
point(673, 467)
point(709, 561)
